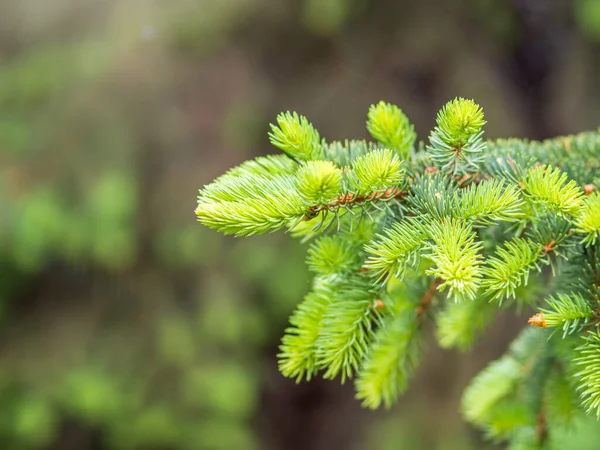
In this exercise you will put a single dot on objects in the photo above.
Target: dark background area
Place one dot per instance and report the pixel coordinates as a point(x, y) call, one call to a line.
point(124, 324)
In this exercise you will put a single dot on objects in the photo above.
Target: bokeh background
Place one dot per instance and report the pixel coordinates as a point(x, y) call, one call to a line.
point(124, 324)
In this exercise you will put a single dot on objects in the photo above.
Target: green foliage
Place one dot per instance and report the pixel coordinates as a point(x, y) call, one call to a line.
point(348, 326)
point(588, 361)
point(331, 255)
point(298, 357)
point(588, 222)
point(455, 144)
point(509, 268)
point(379, 169)
point(551, 187)
point(319, 181)
point(459, 324)
point(388, 125)
point(450, 230)
point(456, 257)
point(295, 136)
point(395, 249)
point(569, 312)
point(392, 358)
point(489, 202)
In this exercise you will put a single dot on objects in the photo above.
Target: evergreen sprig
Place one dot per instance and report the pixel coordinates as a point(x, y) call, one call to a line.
point(390, 126)
point(403, 232)
point(375, 171)
point(509, 268)
point(588, 222)
point(456, 256)
point(296, 136)
point(588, 361)
point(396, 249)
point(456, 144)
point(393, 356)
point(298, 356)
point(567, 312)
point(347, 330)
point(551, 187)
point(459, 324)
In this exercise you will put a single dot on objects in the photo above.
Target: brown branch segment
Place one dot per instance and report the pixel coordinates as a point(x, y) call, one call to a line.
point(427, 298)
point(351, 199)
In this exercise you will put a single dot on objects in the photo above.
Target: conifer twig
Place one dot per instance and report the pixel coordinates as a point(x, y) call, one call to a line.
point(427, 298)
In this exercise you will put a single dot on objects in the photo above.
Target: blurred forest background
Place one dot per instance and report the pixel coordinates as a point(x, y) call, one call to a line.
point(124, 324)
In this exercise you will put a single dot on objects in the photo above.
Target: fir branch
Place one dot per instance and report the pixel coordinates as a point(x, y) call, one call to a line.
point(393, 203)
point(333, 255)
point(455, 144)
point(253, 216)
point(296, 136)
point(489, 387)
point(298, 350)
point(460, 323)
point(588, 361)
point(456, 258)
point(588, 221)
point(392, 358)
point(433, 195)
point(350, 200)
point(347, 330)
point(510, 267)
point(241, 188)
point(395, 249)
point(378, 170)
point(319, 181)
point(568, 312)
point(388, 124)
point(551, 187)
point(488, 202)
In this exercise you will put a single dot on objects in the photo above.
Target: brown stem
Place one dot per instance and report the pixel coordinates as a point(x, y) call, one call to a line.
point(542, 428)
point(427, 298)
point(351, 199)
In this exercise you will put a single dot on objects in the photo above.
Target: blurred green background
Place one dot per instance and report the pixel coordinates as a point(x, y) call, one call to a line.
point(124, 324)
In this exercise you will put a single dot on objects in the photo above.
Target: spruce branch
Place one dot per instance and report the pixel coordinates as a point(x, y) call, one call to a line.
point(550, 187)
point(394, 222)
point(395, 249)
point(588, 221)
point(347, 330)
point(456, 256)
point(489, 202)
point(388, 125)
point(567, 312)
point(376, 171)
point(509, 268)
point(319, 181)
point(298, 350)
point(391, 360)
point(588, 361)
point(296, 136)
point(456, 145)
point(459, 324)
point(331, 255)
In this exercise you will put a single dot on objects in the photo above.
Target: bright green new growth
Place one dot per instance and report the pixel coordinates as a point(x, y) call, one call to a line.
point(588, 222)
point(455, 145)
point(569, 312)
point(295, 136)
point(388, 125)
point(450, 231)
point(376, 170)
point(319, 181)
point(456, 258)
